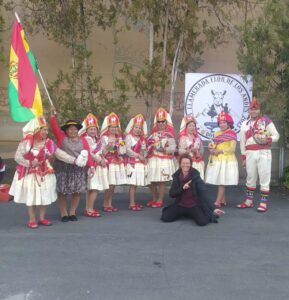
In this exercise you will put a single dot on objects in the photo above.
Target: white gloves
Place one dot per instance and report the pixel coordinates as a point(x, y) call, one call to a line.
point(82, 158)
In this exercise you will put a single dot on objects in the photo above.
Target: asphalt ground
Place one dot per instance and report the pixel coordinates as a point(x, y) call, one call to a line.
point(134, 256)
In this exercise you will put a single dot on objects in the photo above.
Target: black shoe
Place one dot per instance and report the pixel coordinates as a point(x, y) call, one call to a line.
point(73, 218)
point(65, 219)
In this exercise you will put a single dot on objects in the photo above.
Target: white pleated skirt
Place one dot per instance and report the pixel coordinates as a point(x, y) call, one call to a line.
point(116, 174)
point(200, 166)
point(160, 169)
point(137, 174)
point(99, 181)
point(222, 172)
point(31, 190)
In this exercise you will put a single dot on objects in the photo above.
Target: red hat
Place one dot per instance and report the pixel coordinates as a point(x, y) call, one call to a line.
point(255, 104)
point(112, 119)
point(223, 116)
point(161, 114)
point(42, 122)
point(190, 119)
point(90, 121)
point(139, 120)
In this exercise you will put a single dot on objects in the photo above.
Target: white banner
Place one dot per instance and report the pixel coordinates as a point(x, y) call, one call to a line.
point(206, 95)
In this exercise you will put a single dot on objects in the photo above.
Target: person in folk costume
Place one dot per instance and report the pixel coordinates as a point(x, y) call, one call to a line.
point(71, 179)
point(114, 151)
point(136, 151)
point(222, 168)
point(256, 138)
point(190, 143)
point(99, 181)
point(34, 182)
point(161, 149)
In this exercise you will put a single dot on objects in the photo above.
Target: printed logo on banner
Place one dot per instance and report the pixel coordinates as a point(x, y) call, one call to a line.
point(208, 95)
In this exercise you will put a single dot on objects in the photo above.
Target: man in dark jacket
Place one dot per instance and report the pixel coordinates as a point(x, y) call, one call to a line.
point(192, 200)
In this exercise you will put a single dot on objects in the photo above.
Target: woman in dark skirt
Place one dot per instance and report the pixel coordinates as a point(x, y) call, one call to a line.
point(191, 197)
point(71, 179)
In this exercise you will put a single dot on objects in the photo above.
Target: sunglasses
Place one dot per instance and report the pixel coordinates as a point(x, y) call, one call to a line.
point(161, 122)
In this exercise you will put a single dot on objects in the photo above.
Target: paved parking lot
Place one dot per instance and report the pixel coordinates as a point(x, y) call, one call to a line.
point(134, 256)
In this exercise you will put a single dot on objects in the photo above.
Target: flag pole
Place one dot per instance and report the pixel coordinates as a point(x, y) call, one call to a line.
point(39, 72)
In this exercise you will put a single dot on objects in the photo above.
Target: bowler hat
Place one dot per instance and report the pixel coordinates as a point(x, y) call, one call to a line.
point(71, 123)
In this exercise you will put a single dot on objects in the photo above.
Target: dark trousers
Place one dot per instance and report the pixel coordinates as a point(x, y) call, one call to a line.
point(174, 212)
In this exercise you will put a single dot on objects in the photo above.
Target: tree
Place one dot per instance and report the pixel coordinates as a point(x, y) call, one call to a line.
point(264, 53)
point(180, 34)
point(2, 23)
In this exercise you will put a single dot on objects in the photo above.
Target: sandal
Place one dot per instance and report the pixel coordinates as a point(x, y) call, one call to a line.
point(157, 204)
point(45, 222)
point(262, 207)
point(136, 207)
point(32, 225)
point(92, 214)
point(110, 209)
point(150, 203)
point(244, 205)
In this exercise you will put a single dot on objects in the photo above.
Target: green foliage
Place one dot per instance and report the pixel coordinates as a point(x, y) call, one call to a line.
point(2, 23)
point(171, 20)
point(286, 177)
point(264, 53)
point(75, 95)
point(146, 81)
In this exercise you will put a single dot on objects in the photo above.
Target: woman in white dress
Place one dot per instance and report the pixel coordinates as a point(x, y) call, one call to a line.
point(34, 183)
point(99, 181)
point(222, 168)
point(161, 162)
point(190, 143)
point(114, 151)
point(136, 150)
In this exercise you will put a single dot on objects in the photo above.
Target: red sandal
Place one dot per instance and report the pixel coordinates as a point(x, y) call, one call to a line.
point(157, 204)
point(136, 207)
point(92, 214)
point(110, 209)
point(45, 222)
point(150, 203)
point(244, 205)
point(262, 208)
point(32, 225)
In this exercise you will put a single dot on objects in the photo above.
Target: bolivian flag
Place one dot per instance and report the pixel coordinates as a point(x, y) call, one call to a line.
point(23, 92)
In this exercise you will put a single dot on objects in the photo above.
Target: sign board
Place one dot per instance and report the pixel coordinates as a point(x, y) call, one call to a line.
point(206, 95)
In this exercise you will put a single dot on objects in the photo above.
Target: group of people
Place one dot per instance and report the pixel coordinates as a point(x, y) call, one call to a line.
point(90, 159)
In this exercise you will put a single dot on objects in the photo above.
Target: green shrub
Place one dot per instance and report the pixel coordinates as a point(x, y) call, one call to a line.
point(286, 177)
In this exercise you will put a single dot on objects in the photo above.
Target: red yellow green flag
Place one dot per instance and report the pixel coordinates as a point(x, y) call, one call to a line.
point(23, 92)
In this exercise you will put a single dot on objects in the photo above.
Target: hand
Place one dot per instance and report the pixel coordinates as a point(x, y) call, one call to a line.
point(53, 110)
point(35, 163)
point(264, 140)
point(218, 212)
point(244, 163)
point(91, 172)
point(197, 155)
point(187, 185)
point(103, 163)
point(212, 151)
